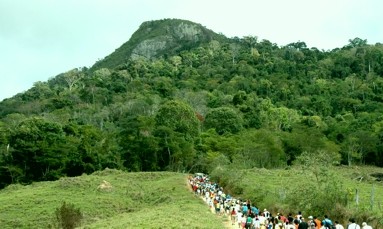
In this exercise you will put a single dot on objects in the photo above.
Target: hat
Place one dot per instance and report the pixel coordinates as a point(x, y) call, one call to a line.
point(364, 224)
point(310, 217)
point(264, 209)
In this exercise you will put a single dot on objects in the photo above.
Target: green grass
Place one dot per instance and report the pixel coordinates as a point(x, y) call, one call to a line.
point(271, 189)
point(358, 177)
point(163, 199)
point(137, 200)
point(275, 180)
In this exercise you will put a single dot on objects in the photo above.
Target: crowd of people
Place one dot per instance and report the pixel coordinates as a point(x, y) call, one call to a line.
point(246, 215)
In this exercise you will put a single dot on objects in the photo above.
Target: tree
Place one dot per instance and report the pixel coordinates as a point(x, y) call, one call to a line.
point(306, 139)
point(259, 148)
point(357, 42)
point(164, 86)
point(138, 143)
point(324, 193)
point(39, 91)
point(36, 149)
point(72, 77)
point(177, 127)
point(179, 117)
point(176, 61)
point(223, 120)
point(234, 49)
point(251, 41)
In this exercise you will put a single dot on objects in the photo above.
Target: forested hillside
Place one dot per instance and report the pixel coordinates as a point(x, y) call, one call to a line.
point(180, 97)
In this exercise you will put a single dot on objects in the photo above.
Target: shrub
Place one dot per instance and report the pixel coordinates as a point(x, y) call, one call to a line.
point(68, 216)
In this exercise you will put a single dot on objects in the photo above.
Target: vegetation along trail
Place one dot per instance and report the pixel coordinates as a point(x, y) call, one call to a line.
point(243, 213)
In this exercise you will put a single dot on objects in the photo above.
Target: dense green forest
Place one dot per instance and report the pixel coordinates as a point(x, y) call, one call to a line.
point(179, 97)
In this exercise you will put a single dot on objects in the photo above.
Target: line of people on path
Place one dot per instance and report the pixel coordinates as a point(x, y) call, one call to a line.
point(246, 215)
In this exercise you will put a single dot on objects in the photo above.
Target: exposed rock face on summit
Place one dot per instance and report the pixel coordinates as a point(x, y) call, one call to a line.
point(185, 32)
point(156, 39)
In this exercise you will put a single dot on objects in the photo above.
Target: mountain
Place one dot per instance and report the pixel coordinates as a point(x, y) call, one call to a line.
point(179, 97)
point(159, 39)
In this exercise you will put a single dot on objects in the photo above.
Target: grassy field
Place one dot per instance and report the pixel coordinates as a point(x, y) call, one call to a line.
point(265, 188)
point(136, 200)
point(163, 199)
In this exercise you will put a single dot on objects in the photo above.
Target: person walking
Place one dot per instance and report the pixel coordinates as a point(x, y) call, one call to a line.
point(352, 224)
point(366, 226)
point(303, 225)
point(338, 225)
point(327, 223)
point(311, 222)
point(233, 215)
point(318, 223)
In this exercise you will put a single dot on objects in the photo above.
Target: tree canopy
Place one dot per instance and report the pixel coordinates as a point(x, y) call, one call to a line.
point(212, 101)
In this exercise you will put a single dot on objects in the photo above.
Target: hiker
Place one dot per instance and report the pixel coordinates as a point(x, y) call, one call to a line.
point(262, 219)
point(311, 222)
point(366, 226)
point(290, 218)
point(249, 222)
point(245, 209)
point(296, 223)
point(256, 223)
point(233, 215)
point(327, 223)
point(216, 205)
point(299, 216)
point(339, 226)
point(352, 224)
point(270, 221)
point(266, 213)
point(255, 210)
point(281, 218)
point(303, 224)
point(243, 222)
point(239, 219)
point(317, 222)
point(290, 225)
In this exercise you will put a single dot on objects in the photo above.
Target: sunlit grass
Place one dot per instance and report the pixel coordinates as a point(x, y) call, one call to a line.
point(270, 188)
point(136, 200)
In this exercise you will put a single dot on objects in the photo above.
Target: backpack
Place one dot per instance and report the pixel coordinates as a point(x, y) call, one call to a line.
point(329, 225)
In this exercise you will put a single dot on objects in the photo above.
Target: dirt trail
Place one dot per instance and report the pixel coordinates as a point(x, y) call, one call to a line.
point(227, 223)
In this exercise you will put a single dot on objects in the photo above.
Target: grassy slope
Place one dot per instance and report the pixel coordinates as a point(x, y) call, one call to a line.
point(137, 200)
point(269, 183)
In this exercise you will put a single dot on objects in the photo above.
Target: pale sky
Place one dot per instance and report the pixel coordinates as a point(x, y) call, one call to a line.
point(40, 39)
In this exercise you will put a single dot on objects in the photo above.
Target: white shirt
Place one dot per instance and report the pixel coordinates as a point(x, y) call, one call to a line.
point(237, 208)
point(367, 227)
point(256, 223)
point(353, 226)
point(239, 218)
point(262, 219)
point(339, 226)
point(243, 220)
point(290, 226)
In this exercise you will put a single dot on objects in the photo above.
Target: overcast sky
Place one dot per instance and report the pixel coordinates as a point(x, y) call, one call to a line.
point(41, 38)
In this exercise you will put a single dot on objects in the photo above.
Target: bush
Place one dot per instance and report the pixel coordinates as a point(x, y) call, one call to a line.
point(68, 216)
